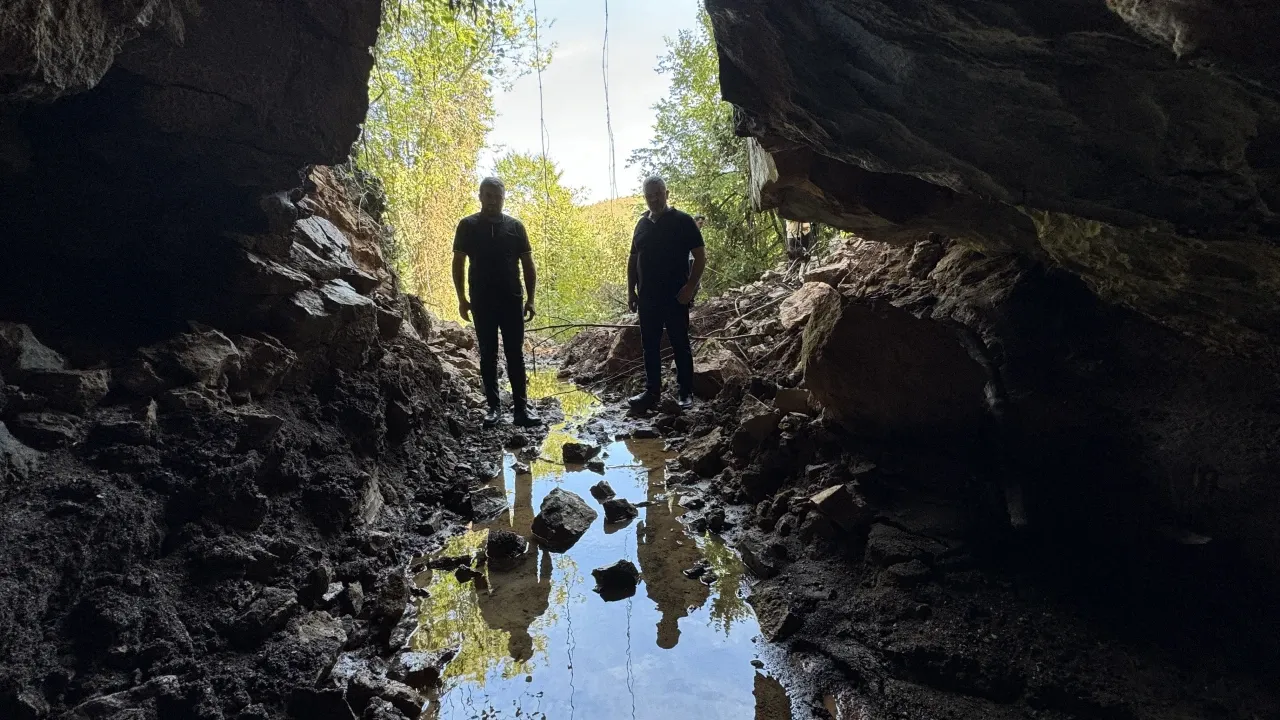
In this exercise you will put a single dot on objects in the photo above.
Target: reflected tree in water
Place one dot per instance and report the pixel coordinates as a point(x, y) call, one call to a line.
point(728, 607)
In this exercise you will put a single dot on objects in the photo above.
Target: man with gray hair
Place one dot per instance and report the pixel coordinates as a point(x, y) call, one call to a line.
point(498, 248)
point(661, 284)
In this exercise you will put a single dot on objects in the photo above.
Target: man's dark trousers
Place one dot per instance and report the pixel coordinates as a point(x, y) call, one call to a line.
point(509, 318)
point(655, 314)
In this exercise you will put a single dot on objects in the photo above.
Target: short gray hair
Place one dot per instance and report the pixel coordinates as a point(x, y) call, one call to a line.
point(495, 181)
point(651, 181)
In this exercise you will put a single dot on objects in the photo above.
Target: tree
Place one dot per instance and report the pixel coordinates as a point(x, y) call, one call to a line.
point(705, 165)
point(430, 109)
point(579, 257)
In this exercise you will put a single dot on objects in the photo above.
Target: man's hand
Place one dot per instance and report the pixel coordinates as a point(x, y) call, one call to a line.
point(464, 309)
point(633, 302)
point(529, 312)
point(686, 294)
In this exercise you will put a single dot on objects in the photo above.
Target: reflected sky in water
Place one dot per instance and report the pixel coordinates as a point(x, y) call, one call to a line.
point(537, 642)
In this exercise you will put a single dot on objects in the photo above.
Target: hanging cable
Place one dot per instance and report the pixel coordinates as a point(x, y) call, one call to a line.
point(542, 127)
point(608, 113)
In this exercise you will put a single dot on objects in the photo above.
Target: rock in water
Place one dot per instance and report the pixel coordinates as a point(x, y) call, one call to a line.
point(505, 549)
point(576, 453)
point(617, 581)
point(563, 518)
point(596, 465)
point(618, 510)
point(488, 501)
point(602, 491)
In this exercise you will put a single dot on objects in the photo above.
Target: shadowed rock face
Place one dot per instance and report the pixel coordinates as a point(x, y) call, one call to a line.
point(1136, 144)
point(135, 135)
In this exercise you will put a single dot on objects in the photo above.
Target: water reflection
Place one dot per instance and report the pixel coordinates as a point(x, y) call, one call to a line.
point(665, 551)
point(535, 641)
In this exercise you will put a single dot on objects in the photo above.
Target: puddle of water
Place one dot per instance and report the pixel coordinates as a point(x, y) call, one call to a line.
point(537, 642)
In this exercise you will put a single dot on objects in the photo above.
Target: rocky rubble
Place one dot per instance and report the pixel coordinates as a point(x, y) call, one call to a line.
point(198, 528)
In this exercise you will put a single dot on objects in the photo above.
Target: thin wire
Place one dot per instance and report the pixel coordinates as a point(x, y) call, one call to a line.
point(608, 112)
point(542, 128)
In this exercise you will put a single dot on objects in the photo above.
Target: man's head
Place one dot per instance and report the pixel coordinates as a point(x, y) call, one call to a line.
point(655, 194)
point(492, 193)
point(699, 220)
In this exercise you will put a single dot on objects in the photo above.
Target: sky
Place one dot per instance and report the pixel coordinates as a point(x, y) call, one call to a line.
point(573, 89)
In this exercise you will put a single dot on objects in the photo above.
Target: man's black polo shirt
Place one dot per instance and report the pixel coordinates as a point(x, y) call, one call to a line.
point(494, 248)
point(661, 248)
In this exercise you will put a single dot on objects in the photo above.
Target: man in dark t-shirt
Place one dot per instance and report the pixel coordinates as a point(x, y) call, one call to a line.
point(660, 286)
point(498, 248)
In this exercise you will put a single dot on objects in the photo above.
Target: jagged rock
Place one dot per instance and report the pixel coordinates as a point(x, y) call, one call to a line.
point(193, 400)
point(258, 429)
point(844, 507)
point(139, 376)
point(562, 519)
point(73, 391)
point(323, 251)
point(832, 273)
point(258, 276)
point(596, 465)
point(17, 461)
point(21, 352)
point(264, 364)
point(713, 367)
point(618, 510)
point(617, 581)
point(202, 357)
point(757, 420)
point(47, 430)
point(419, 319)
point(779, 615)
point(803, 303)
point(578, 453)
point(704, 455)
point(454, 334)
point(602, 491)
point(793, 400)
point(270, 612)
point(505, 549)
point(420, 670)
point(520, 468)
point(128, 426)
point(762, 563)
point(488, 501)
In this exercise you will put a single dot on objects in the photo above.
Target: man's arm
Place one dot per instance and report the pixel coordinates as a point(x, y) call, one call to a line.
point(459, 265)
point(693, 239)
point(695, 276)
point(530, 283)
point(633, 283)
point(633, 272)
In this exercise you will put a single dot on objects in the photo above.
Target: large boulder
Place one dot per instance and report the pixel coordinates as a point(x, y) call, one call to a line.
point(562, 519)
point(21, 352)
point(705, 455)
point(73, 391)
point(879, 369)
point(714, 366)
point(17, 461)
point(803, 303)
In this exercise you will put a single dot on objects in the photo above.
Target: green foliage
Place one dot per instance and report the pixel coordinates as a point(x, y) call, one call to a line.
point(430, 109)
point(579, 252)
point(705, 165)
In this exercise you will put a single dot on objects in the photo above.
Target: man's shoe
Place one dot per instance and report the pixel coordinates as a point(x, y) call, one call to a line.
point(524, 417)
point(491, 416)
point(643, 401)
point(685, 401)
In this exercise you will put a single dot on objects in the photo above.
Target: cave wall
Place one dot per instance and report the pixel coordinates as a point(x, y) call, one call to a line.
point(136, 138)
point(1136, 144)
point(1105, 177)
